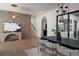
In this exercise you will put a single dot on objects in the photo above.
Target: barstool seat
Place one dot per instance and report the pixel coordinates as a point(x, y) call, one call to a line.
point(63, 51)
point(74, 52)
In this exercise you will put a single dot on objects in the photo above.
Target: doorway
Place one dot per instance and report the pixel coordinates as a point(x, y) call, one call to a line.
point(44, 27)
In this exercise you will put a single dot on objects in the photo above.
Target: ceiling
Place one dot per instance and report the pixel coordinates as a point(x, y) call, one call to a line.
point(37, 7)
point(29, 8)
point(33, 9)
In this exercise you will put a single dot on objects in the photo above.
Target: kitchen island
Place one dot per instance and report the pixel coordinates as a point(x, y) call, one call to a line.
point(65, 47)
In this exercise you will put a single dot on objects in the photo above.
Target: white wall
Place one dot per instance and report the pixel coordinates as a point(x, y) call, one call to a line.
point(51, 22)
point(73, 6)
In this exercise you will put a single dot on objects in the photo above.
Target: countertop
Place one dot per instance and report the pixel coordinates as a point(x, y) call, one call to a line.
point(69, 43)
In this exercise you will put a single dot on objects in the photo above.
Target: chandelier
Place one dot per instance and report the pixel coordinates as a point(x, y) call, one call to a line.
point(63, 8)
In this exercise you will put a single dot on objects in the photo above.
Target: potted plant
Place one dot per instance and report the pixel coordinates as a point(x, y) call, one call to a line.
point(57, 32)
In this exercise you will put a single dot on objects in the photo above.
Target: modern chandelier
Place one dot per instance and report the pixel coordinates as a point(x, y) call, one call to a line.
point(63, 8)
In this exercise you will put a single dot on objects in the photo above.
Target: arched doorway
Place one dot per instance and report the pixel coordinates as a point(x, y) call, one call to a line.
point(44, 27)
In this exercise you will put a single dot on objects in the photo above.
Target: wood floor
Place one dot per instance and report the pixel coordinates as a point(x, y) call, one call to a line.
point(16, 48)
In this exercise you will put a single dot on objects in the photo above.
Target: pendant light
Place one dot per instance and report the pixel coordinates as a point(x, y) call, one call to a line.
point(13, 14)
point(63, 8)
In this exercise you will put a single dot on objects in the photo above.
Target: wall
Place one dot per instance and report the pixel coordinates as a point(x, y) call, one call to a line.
point(51, 22)
point(73, 6)
point(23, 19)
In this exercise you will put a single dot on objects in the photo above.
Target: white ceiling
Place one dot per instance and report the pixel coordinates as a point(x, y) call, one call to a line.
point(37, 7)
point(34, 9)
point(29, 8)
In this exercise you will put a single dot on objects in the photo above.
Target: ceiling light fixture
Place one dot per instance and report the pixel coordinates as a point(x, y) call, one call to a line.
point(63, 8)
point(13, 16)
point(13, 5)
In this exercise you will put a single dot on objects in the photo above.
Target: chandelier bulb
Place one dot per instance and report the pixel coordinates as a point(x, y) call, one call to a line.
point(61, 7)
point(64, 11)
point(66, 7)
point(57, 11)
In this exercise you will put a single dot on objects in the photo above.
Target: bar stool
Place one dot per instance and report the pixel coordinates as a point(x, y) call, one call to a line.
point(42, 47)
point(63, 51)
point(54, 49)
point(51, 48)
point(74, 52)
point(48, 48)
